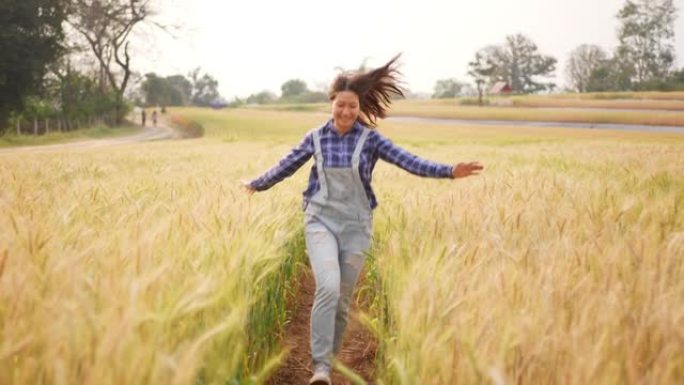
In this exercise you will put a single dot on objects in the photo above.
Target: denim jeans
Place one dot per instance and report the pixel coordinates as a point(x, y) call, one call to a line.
point(336, 259)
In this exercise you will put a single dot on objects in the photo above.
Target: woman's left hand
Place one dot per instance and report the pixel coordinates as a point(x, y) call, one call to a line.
point(248, 188)
point(463, 170)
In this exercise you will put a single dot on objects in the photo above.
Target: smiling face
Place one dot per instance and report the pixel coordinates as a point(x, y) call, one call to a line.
point(345, 110)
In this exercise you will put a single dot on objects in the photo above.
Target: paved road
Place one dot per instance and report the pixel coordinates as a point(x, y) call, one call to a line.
point(609, 126)
point(604, 109)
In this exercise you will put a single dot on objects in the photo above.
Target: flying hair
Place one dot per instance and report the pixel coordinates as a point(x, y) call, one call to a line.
point(374, 89)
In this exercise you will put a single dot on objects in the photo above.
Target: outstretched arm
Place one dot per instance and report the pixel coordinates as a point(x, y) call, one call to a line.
point(396, 155)
point(285, 167)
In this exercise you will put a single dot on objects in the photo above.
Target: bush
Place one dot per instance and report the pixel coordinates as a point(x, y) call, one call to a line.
point(187, 128)
point(306, 97)
point(472, 102)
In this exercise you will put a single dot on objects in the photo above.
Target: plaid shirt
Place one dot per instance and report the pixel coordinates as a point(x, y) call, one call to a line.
point(337, 153)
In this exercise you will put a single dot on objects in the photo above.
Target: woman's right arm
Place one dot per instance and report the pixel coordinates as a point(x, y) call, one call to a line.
point(286, 166)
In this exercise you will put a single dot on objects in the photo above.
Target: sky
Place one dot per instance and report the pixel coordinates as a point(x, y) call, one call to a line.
point(255, 45)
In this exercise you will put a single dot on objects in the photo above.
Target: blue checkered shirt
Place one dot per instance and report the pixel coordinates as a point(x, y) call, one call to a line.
point(337, 153)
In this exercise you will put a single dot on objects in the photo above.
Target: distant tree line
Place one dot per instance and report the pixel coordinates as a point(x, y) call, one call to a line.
point(292, 91)
point(68, 64)
point(643, 60)
point(296, 91)
point(178, 90)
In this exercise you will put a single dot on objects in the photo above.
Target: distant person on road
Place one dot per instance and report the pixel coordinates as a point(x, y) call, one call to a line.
point(143, 117)
point(154, 118)
point(339, 200)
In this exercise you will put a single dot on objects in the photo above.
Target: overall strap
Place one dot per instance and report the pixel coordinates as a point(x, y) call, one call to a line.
point(357, 156)
point(318, 154)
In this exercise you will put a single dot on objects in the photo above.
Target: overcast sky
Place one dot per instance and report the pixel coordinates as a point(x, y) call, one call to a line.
point(255, 45)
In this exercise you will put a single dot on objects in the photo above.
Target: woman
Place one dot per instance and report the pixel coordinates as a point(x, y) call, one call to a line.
point(339, 200)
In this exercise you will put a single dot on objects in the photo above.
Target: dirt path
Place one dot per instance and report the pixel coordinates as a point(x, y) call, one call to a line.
point(160, 132)
point(358, 347)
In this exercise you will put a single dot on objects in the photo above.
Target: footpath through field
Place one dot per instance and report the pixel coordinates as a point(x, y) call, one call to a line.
point(160, 132)
point(358, 347)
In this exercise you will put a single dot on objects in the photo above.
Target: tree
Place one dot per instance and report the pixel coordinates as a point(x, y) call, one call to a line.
point(480, 70)
point(293, 87)
point(447, 88)
point(31, 38)
point(155, 89)
point(601, 79)
point(263, 97)
point(181, 90)
point(582, 63)
point(523, 63)
point(517, 62)
point(173, 90)
point(677, 79)
point(106, 27)
point(204, 89)
point(78, 95)
point(646, 36)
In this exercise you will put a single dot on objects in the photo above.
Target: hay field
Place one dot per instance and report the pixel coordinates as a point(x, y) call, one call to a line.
point(147, 264)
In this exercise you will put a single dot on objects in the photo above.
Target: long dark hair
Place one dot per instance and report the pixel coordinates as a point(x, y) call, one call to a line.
point(374, 89)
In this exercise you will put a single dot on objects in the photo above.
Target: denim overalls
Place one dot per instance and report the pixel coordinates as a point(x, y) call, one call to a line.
point(338, 232)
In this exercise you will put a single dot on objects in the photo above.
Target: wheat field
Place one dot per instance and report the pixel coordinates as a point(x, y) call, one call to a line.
point(147, 264)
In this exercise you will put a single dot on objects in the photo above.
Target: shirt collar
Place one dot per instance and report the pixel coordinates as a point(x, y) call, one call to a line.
point(354, 130)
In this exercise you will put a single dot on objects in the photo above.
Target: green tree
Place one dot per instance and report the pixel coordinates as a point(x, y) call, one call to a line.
point(519, 63)
point(310, 97)
point(447, 88)
point(204, 89)
point(293, 87)
point(263, 97)
point(181, 90)
point(677, 79)
point(582, 63)
point(646, 36)
point(106, 26)
point(480, 70)
point(79, 96)
point(173, 90)
point(31, 38)
point(154, 89)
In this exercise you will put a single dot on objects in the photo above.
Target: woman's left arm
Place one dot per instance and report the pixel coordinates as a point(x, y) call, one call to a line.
point(414, 164)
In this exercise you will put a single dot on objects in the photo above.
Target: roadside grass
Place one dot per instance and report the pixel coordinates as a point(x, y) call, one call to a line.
point(247, 124)
point(442, 109)
point(580, 109)
point(11, 139)
point(288, 127)
point(578, 102)
point(649, 95)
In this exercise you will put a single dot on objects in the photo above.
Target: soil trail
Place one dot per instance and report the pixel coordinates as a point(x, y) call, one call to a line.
point(358, 348)
point(150, 133)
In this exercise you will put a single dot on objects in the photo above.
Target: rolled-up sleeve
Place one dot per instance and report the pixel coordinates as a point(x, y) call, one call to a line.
point(286, 166)
point(414, 164)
